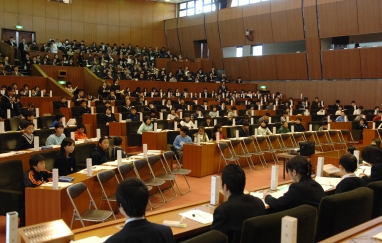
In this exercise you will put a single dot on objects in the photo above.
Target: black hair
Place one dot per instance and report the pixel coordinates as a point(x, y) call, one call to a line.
point(233, 177)
point(267, 114)
point(298, 118)
point(372, 154)
point(146, 118)
point(34, 159)
point(59, 116)
point(64, 143)
point(29, 124)
point(217, 127)
point(351, 149)
point(117, 141)
point(80, 125)
point(349, 162)
point(132, 195)
point(83, 101)
point(208, 117)
point(101, 140)
point(184, 129)
point(10, 88)
point(301, 165)
point(58, 125)
point(30, 113)
point(377, 142)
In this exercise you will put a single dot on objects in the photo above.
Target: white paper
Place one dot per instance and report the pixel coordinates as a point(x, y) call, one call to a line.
point(120, 117)
point(112, 109)
point(2, 130)
point(373, 125)
point(328, 182)
point(356, 154)
point(59, 184)
point(198, 216)
point(35, 123)
point(292, 129)
point(196, 123)
point(331, 169)
point(234, 121)
point(175, 125)
point(363, 169)
point(217, 113)
point(68, 103)
point(270, 119)
point(237, 133)
point(92, 110)
point(50, 93)
point(8, 113)
point(181, 115)
point(89, 103)
point(215, 122)
point(140, 116)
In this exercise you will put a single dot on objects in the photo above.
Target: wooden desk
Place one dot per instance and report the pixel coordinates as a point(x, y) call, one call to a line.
point(367, 229)
point(368, 135)
point(67, 113)
point(155, 140)
point(157, 216)
point(90, 119)
point(202, 160)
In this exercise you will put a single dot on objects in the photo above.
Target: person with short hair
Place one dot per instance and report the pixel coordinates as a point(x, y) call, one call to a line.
point(342, 117)
point(217, 128)
point(244, 130)
point(108, 117)
point(283, 128)
point(37, 174)
point(57, 137)
point(65, 161)
point(230, 215)
point(59, 117)
point(187, 121)
point(376, 142)
point(303, 190)
point(132, 197)
point(263, 128)
point(172, 114)
point(29, 116)
point(298, 127)
point(117, 146)
point(264, 118)
point(372, 155)
point(347, 166)
point(208, 121)
point(350, 150)
point(26, 141)
point(133, 116)
point(80, 132)
point(180, 140)
point(83, 109)
point(203, 135)
point(100, 154)
point(146, 126)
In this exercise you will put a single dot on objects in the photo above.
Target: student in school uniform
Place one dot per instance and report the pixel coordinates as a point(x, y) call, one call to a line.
point(203, 135)
point(57, 137)
point(133, 116)
point(26, 141)
point(37, 174)
point(100, 154)
point(347, 166)
point(117, 147)
point(65, 161)
point(372, 155)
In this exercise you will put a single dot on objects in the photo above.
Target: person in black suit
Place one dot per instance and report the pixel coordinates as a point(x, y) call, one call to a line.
point(244, 130)
point(303, 190)
point(230, 215)
point(83, 109)
point(373, 155)
point(132, 197)
point(348, 164)
point(222, 88)
point(11, 41)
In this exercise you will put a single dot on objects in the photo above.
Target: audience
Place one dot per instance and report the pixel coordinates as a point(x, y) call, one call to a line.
point(372, 155)
point(57, 137)
point(146, 125)
point(26, 141)
point(180, 140)
point(347, 166)
point(37, 174)
point(80, 132)
point(100, 154)
point(65, 161)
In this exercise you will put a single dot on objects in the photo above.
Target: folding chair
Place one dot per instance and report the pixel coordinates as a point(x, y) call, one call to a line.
point(339, 141)
point(125, 169)
point(92, 215)
point(256, 149)
point(230, 158)
point(343, 132)
point(154, 182)
point(169, 155)
point(310, 136)
point(271, 138)
point(243, 153)
point(288, 137)
point(152, 161)
point(324, 135)
point(260, 139)
point(104, 177)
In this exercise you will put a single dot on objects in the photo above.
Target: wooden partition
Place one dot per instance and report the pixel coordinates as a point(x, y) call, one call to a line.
point(91, 82)
point(338, 64)
point(42, 54)
point(213, 39)
point(237, 67)
point(262, 67)
point(190, 30)
point(73, 74)
point(371, 62)
point(369, 19)
point(291, 66)
point(231, 27)
point(7, 51)
point(172, 36)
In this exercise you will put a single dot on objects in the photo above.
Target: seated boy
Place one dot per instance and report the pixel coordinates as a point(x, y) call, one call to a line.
point(29, 116)
point(26, 141)
point(180, 140)
point(37, 174)
point(133, 116)
point(117, 146)
point(59, 117)
point(348, 164)
point(80, 133)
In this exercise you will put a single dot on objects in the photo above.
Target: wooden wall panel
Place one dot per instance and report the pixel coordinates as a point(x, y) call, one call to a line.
point(101, 12)
point(11, 6)
point(187, 36)
point(262, 68)
point(313, 47)
point(124, 13)
point(74, 74)
point(291, 66)
point(147, 38)
point(51, 28)
point(51, 9)
point(39, 27)
point(341, 64)
point(91, 33)
point(136, 14)
point(295, 24)
point(147, 15)
point(369, 20)
point(136, 35)
point(279, 21)
point(78, 11)
point(125, 35)
point(112, 34)
point(213, 40)
point(113, 13)
point(173, 41)
point(371, 62)
point(158, 18)
point(39, 8)
point(65, 29)
point(311, 27)
point(90, 12)
point(236, 67)
point(347, 17)
point(261, 26)
point(159, 39)
point(77, 30)
point(232, 32)
point(101, 32)
point(328, 19)
point(65, 11)
point(25, 7)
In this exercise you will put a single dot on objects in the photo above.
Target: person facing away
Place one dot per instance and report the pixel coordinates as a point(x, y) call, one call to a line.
point(132, 197)
point(229, 216)
point(303, 190)
point(372, 155)
point(117, 147)
point(347, 166)
point(37, 174)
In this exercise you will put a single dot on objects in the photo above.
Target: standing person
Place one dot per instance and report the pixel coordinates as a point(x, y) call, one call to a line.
point(230, 215)
point(303, 190)
point(100, 154)
point(57, 137)
point(347, 166)
point(180, 140)
point(65, 161)
point(37, 174)
point(132, 197)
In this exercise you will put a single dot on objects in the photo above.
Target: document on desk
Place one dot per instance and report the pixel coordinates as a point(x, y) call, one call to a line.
point(60, 184)
point(327, 183)
point(363, 169)
point(281, 190)
point(331, 169)
point(97, 168)
point(199, 216)
point(92, 239)
point(115, 163)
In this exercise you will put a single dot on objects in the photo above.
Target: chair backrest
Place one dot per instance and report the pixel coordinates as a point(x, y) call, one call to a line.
point(43, 135)
point(50, 157)
point(377, 201)
point(45, 121)
point(153, 159)
point(76, 190)
point(213, 236)
point(140, 163)
point(125, 169)
point(168, 155)
point(337, 212)
point(11, 175)
point(106, 175)
point(82, 152)
point(222, 146)
point(235, 142)
point(266, 228)
point(247, 140)
point(12, 124)
point(9, 141)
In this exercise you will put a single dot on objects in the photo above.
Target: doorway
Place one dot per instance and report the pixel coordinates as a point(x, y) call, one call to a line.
point(201, 49)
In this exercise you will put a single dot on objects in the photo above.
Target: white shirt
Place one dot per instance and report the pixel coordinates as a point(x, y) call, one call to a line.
point(54, 48)
point(133, 219)
point(357, 112)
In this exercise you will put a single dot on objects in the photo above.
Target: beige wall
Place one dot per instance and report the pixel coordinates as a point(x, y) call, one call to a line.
point(138, 22)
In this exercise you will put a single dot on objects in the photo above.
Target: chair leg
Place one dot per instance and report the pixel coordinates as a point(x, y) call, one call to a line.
point(175, 195)
point(189, 187)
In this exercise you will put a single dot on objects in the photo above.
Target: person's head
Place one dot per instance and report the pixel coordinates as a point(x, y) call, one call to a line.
point(80, 128)
point(201, 130)
point(285, 113)
point(233, 179)
point(217, 128)
point(263, 124)
point(362, 121)
point(59, 129)
point(299, 167)
point(348, 164)
point(246, 126)
point(133, 110)
point(183, 131)
point(376, 142)
point(59, 117)
point(147, 120)
point(67, 146)
point(267, 115)
point(343, 113)
point(29, 128)
point(132, 197)
point(37, 162)
point(214, 108)
point(350, 150)
point(117, 141)
point(285, 124)
point(83, 103)
point(10, 91)
point(187, 117)
point(372, 154)
point(103, 143)
point(30, 116)
point(108, 111)
point(298, 120)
